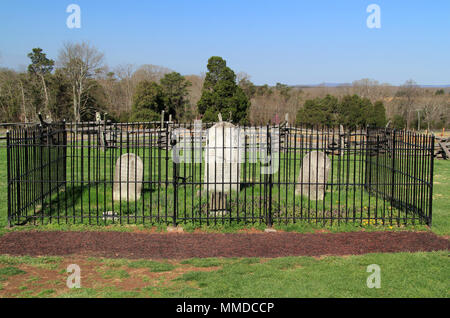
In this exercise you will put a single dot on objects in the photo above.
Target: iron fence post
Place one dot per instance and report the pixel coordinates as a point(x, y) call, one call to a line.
point(65, 152)
point(394, 137)
point(368, 167)
point(175, 180)
point(18, 180)
point(430, 200)
point(175, 193)
point(269, 153)
point(8, 164)
point(41, 171)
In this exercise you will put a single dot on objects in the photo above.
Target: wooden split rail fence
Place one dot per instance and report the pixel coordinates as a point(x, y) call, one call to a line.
point(442, 148)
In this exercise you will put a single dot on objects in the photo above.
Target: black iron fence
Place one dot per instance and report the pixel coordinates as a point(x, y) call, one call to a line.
point(36, 164)
point(399, 169)
point(161, 172)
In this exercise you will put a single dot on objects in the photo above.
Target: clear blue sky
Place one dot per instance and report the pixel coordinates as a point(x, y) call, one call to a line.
point(292, 42)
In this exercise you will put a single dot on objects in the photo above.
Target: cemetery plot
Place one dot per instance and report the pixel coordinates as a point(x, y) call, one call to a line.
point(219, 173)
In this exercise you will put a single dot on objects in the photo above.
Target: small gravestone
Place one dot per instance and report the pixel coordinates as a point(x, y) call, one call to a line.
point(128, 175)
point(313, 175)
point(223, 154)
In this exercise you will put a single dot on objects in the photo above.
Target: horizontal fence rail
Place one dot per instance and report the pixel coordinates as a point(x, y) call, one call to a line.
point(162, 172)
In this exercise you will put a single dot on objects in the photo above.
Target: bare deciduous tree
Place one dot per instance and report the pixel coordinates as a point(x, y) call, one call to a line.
point(80, 62)
point(434, 109)
point(407, 96)
point(366, 88)
point(195, 91)
point(14, 104)
point(149, 72)
point(125, 74)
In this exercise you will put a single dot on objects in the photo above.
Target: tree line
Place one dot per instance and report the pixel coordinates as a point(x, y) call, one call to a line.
point(406, 106)
point(350, 111)
point(79, 84)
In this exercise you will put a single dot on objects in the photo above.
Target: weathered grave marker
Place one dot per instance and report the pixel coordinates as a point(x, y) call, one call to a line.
point(313, 175)
point(222, 158)
point(128, 175)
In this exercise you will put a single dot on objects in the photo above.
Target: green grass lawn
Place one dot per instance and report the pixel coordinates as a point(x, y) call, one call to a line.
point(402, 274)
point(441, 198)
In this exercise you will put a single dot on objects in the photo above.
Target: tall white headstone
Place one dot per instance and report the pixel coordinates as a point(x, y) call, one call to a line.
point(128, 175)
point(223, 154)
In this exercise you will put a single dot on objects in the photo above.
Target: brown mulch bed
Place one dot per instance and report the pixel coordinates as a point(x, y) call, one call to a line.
point(180, 246)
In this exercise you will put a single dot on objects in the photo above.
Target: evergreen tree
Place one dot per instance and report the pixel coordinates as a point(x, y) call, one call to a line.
point(40, 69)
point(354, 111)
point(175, 88)
point(350, 111)
point(378, 116)
point(148, 102)
point(60, 97)
point(319, 111)
point(398, 122)
point(220, 93)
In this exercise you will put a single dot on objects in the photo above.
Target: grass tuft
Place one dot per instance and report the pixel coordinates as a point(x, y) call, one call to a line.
point(152, 265)
point(11, 271)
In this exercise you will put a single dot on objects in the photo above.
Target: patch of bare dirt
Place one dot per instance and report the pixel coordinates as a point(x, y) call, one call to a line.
point(251, 230)
point(322, 231)
point(38, 279)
